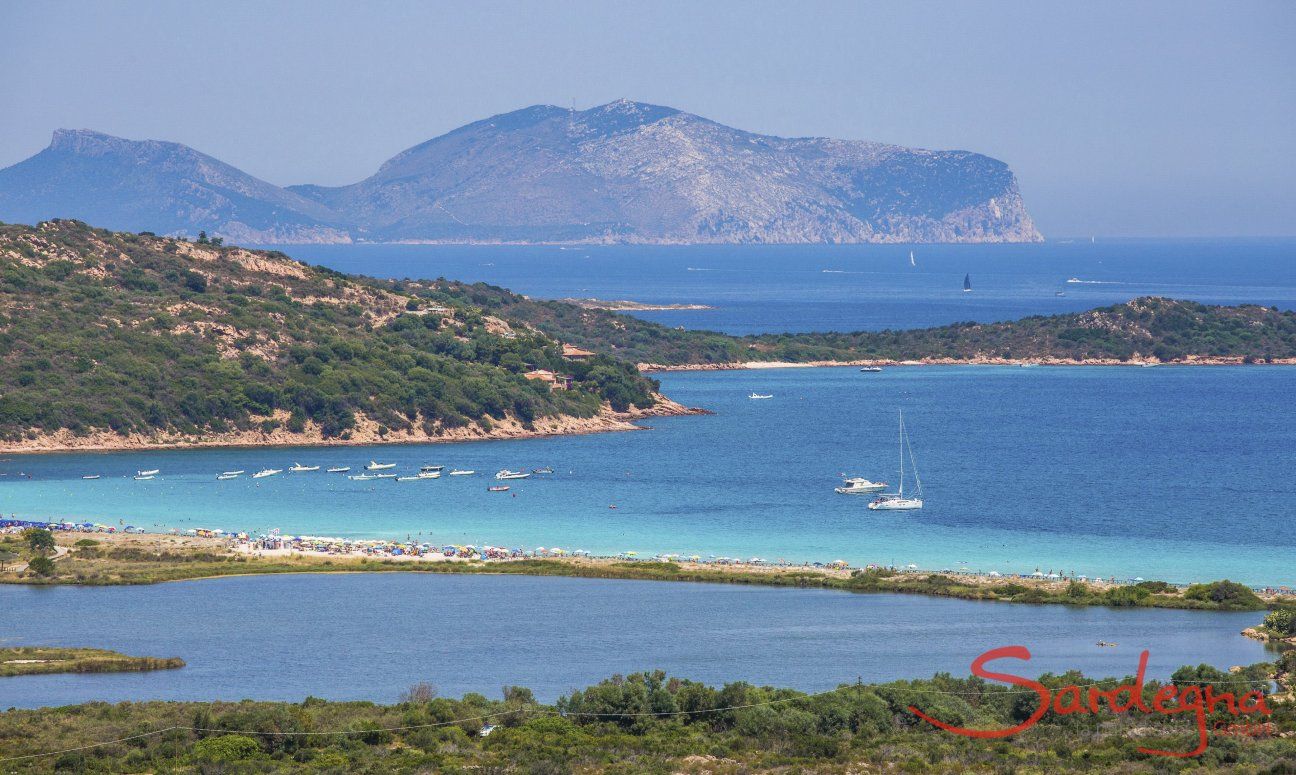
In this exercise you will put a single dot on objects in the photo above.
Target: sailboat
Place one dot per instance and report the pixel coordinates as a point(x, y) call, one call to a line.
point(898, 501)
point(911, 259)
point(967, 283)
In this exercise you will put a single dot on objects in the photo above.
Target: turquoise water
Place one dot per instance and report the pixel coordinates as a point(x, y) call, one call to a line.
point(1176, 473)
point(370, 636)
point(773, 288)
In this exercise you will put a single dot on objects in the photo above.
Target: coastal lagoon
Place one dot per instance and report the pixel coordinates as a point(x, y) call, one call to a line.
point(370, 636)
point(1175, 473)
point(776, 288)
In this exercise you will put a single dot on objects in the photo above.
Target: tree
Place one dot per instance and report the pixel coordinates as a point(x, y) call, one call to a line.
point(39, 540)
point(202, 238)
point(1282, 621)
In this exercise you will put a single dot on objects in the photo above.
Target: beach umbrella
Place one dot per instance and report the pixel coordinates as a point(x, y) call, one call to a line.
point(995, 573)
point(1138, 578)
point(1037, 574)
point(911, 566)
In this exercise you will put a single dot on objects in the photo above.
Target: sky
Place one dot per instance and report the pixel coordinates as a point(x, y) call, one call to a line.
point(1119, 118)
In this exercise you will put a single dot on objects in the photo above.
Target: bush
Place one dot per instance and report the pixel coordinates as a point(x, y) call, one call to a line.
point(41, 566)
point(226, 748)
point(1226, 594)
point(1282, 621)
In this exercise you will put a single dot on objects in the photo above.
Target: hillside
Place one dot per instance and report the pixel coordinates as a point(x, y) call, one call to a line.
point(621, 172)
point(116, 339)
point(1149, 329)
point(155, 186)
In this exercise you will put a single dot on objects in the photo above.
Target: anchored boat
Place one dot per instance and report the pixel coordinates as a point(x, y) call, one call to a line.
point(898, 501)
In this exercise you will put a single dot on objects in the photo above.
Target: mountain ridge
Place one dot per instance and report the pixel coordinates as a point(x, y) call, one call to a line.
point(624, 172)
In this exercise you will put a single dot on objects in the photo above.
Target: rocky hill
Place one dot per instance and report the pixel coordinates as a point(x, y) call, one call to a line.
point(112, 339)
point(621, 172)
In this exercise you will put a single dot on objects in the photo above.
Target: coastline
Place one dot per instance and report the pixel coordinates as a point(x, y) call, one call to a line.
point(649, 368)
point(365, 434)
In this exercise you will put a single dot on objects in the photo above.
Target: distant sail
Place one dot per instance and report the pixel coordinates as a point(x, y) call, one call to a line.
point(911, 259)
point(967, 283)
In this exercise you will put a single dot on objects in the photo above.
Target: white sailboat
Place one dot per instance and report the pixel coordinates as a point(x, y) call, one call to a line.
point(911, 259)
point(898, 501)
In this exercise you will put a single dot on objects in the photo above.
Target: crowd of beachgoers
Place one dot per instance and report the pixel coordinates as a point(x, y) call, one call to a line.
point(276, 544)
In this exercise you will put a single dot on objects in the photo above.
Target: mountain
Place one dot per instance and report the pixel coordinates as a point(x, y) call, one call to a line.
point(621, 172)
point(156, 186)
point(630, 172)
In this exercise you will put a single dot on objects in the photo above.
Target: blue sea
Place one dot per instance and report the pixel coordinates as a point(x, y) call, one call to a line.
point(776, 288)
point(1175, 473)
point(370, 636)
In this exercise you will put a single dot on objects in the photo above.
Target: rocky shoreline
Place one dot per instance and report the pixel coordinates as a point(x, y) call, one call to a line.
point(367, 432)
point(737, 366)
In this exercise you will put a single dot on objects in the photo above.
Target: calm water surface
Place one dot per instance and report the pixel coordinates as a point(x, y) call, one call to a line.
point(369, 636)
point(1182, 474)
point(773, 288)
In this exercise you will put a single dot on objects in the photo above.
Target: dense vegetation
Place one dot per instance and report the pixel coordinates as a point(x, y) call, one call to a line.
point(32, 660)
point(649, 722)
point(135, 333)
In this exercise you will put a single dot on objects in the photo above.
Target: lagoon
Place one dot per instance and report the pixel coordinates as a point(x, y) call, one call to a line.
point(370, 636)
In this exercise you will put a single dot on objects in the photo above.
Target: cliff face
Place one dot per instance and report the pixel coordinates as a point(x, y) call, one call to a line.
point(621, 172)
point(166, 188)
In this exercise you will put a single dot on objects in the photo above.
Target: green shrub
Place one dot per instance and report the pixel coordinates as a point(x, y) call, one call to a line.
point(226, 749)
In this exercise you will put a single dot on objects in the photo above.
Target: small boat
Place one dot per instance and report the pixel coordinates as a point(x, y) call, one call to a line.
point(871, 369)
point(545, 470)
point(224, 477)
point(90, 476)
point(263, 473)
point(507, 474)
point(362, 477)
point(967, 283)
point(431, 469)
point(376, 466)
point(239, 472)
point(1059, 293)
point(299, 468)
point(457, 472)
point(339, 469)
point(859, 486)
point(1075, 281)
point(912, 262)
point(143, 477)
point(898, 501)
point(383, 476)
point(756, 396)
point(414, 478)
point(498, 488)
point(151, 472)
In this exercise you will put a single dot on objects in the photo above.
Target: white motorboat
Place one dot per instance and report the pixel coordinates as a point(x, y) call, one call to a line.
point(383, 476)
point(507, 474)
point(150, 472)
point(871, 369)
point(339, 469)
point(757, 396)
point(376, 466)
point(431, 469)
point(898, 501)
point(263, 473)
point(417, 477)
point(457, 472)
point(299, 468)
point(860, 486)
point(143, 477)
point(90, 476)
point(361, 477)
point(239, 472)
point(545, 470)
point(226, 477)
point(498, 488)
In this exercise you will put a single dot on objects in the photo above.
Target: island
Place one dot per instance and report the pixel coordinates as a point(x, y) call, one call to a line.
point(36, 660)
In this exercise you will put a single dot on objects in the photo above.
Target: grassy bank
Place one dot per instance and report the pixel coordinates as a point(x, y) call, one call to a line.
point(136, 559)
point(35, 660)
point(651, 723)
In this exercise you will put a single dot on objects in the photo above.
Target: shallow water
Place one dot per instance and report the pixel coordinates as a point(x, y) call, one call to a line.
point(370, 636)
point(1176, 473)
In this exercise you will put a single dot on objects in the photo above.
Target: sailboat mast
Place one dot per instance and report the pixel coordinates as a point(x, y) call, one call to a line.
point(901, 453)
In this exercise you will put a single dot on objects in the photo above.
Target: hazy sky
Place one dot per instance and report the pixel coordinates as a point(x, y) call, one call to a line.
point(1119, 118)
